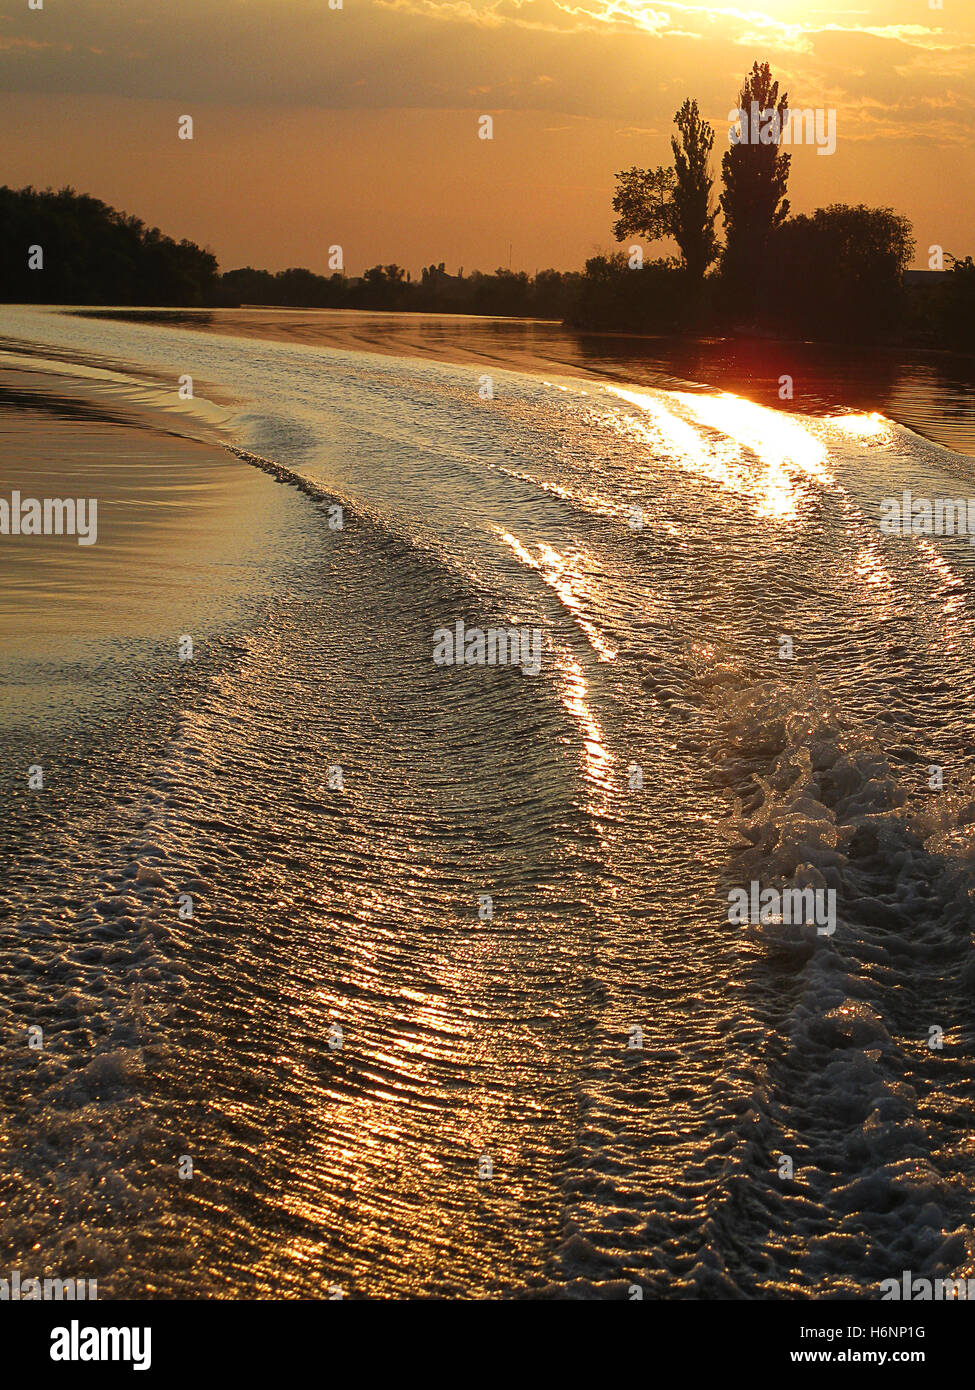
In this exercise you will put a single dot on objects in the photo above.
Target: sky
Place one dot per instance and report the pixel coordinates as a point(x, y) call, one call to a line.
point(358, 126)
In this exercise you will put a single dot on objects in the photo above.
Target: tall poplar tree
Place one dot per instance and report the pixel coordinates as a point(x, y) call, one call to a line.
point(755, 173)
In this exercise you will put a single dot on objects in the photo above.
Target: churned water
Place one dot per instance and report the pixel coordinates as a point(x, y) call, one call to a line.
point(470, 1018)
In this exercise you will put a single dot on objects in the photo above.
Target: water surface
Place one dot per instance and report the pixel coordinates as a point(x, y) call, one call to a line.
point(362, 1166)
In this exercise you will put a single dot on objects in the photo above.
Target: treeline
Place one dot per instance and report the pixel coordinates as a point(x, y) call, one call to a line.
point(69, 248)
point(820, 284)
point(836, 275)
point(506, 292)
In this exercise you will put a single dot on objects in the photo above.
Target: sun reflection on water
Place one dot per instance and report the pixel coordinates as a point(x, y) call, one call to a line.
point(566, 578)
point(749, 449)
point(871, 426)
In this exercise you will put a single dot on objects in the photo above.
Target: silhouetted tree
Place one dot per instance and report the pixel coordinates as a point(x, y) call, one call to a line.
point(93, 254)
point(644, 201)
point(654, 203)
point(755, 174)
point(693, 214)
point(612, 295)
point(838, 274)
point(956, 319)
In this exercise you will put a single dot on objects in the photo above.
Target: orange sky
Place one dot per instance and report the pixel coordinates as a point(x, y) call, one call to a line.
point(358, 126)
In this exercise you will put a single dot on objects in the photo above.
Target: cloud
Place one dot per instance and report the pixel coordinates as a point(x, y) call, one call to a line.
point(622, 60)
